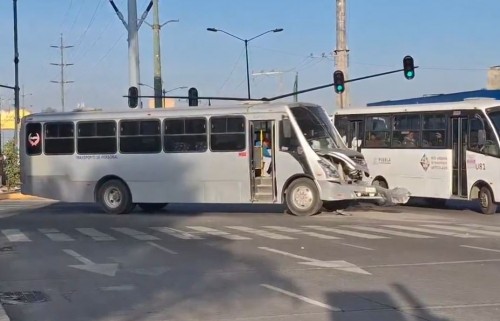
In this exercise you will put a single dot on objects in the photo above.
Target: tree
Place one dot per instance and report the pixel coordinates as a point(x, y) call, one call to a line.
point(12, 166)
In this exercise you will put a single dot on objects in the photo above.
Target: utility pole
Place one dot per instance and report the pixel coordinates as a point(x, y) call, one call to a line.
point(16, 76)
point(342, 53)
point(61, 47)
point(132, 27)
point(296, 87)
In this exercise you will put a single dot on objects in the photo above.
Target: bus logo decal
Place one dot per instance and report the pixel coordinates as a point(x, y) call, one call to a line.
point(424, 162)
point(34, 140)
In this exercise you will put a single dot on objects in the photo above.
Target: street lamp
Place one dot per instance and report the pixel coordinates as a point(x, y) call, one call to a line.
point(167, 91)
point(246, 41)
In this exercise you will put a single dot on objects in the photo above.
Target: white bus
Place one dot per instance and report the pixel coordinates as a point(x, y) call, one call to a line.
point(193, 155)
point(436, 151)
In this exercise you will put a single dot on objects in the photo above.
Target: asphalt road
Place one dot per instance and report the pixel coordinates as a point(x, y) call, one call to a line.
point(72, 262)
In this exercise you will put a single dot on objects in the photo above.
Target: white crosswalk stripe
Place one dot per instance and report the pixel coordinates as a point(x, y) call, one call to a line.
point(15, 235)
point(485, 227)
point(271, 235)
point(431, 231)
point(345, 232)
point(390, 232)
point(177, 233)
point(95, 234)
point(464, 229)
point(55, 235)
point(297, 231)
point(136, 234)
point(212, 231)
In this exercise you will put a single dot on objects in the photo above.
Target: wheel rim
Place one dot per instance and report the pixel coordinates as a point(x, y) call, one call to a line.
point(112, 197)
point(484, 200)
point(302, 197)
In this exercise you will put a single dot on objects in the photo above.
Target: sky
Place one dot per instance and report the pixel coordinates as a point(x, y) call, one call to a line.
point(453, 41)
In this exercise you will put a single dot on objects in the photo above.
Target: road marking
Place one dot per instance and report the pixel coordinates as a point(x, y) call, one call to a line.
point(338, 265)
point(55, 235)
point(344, 232)
point(390, 232)
point(430, 263)
point(430, 231)
point(95, 234)
point(135, 234)
point(301, 297)
point(297, 231)
point(480, 248)
point(14, 235)
point(161, 248)
point(3, 314)
point(486, 227)
point(108, 269)
point(177, 233)
point(357, 246)
point(118, 288)
point(262, 233)
point(464, 229)
point(215, 232)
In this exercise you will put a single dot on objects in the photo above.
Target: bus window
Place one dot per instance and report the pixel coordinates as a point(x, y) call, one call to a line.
point(185, 135)
point(406, 132)
point(481, 137)
point(33, 138)
point(378, 131)
point(140, 136)
point(227, 134)
point(434, 131)
point(96, 137)
point(59, 138)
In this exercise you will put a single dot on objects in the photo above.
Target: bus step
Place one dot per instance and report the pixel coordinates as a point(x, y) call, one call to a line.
point(264, 180)
point(263, 197)
point(264, 189)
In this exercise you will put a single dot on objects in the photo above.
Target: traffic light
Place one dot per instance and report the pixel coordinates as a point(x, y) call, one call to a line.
point(133, 97)
point(193, 96)
point(338, 81)
point(409, 68)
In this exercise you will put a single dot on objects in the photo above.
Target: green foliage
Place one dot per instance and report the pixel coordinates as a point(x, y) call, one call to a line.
point(12, 166)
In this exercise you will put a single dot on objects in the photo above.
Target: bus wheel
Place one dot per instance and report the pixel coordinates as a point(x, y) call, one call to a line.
point(302, 197)
point(114, 197)
point(486, 201)
point(152, 207)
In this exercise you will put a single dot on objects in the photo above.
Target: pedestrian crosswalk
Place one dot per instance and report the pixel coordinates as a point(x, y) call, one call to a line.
point(247, 233)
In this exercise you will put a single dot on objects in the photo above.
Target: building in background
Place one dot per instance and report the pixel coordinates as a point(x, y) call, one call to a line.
point(492, 91)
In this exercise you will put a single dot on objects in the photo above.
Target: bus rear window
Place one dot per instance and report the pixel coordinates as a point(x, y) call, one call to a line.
point(33, 138)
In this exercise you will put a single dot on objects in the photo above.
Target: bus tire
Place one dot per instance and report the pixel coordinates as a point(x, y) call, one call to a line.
point(486, 201)
point(302, 197)
point(114, 197)
point(382, 183)
point(152, 207)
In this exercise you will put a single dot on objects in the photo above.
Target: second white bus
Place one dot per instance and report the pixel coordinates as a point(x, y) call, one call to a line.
point(435, 151)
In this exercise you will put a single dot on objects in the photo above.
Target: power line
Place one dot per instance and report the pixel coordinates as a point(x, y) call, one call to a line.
point(62, 82)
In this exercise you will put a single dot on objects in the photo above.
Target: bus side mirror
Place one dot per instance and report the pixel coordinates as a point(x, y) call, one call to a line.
point(481, 137)
point(287, 128)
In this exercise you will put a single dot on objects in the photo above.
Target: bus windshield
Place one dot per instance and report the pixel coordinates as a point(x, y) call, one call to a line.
point(317, 128)
point(495, 119)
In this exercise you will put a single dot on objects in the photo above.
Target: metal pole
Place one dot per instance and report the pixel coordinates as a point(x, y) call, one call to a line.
point(341, 53)
point(157, 56)
point(62, 73)
point(248, 71)
point(133, 46)
point(16, 75)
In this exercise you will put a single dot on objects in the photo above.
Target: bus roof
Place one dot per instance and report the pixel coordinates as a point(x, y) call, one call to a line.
point(174, 111)
point(480, 103)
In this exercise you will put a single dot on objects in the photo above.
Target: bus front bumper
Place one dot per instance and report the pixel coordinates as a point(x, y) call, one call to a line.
point(331, 191)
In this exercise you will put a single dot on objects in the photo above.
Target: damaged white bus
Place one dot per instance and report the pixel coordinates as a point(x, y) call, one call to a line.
point(154, 157)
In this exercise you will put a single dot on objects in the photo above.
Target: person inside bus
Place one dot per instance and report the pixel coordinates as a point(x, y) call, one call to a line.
point(409, 140)
point(266, 155)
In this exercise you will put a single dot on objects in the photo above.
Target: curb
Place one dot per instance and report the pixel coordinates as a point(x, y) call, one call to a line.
point(17, 196)
point(3, 314)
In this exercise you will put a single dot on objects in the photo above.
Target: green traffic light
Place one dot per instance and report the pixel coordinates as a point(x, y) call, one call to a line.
point(340, 88)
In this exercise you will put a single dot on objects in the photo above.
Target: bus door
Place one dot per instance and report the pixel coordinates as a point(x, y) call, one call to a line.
point(459, 130)
point(351, 130)
point(262, 161)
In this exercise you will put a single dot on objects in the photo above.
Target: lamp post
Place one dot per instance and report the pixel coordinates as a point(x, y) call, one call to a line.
point(246, 41)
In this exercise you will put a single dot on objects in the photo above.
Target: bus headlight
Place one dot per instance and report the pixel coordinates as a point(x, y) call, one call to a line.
point(329, 169)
